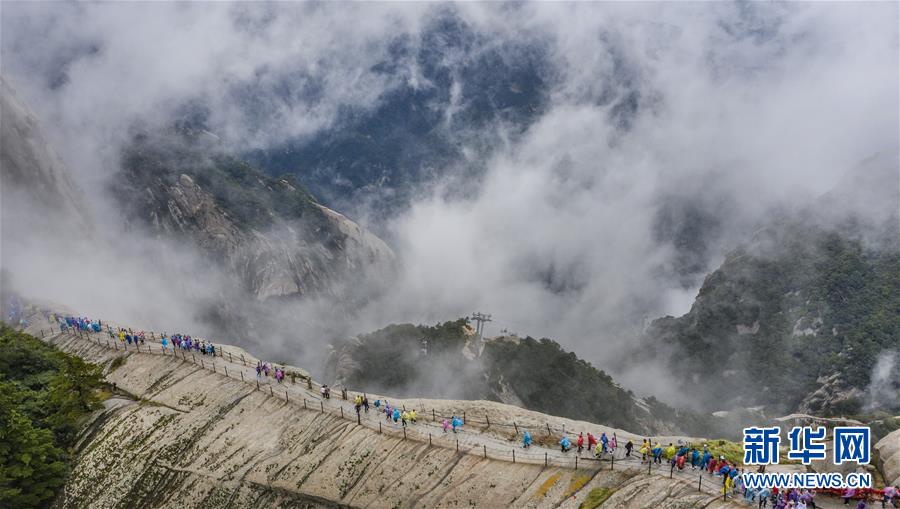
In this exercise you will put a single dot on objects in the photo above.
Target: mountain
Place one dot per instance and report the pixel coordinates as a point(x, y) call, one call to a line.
point(446, 361)
point(797, 317)
point(270, 233)
point(457, 86)
point(34, 177)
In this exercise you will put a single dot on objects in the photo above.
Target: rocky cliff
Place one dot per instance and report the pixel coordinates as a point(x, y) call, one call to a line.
point(33, 175)
point(797, 318)
point(271, 234)
point(182, 434)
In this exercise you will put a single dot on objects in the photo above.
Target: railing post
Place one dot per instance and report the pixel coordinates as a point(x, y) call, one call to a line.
point(230, 359)
point(322, 405)
point(286, 395)
point(517, 428)
point(457, 445)
point(226, 370)
point(257, 385)
point(358, 419)
point(304, 403)
point(548, 429)
point(612, 463)
point(514, 455)
point(271, 391)
point(485, 450)
point(700, 483)
point(576, 462)
point(649, 465)
point(379, 427)
point(342, 412)
point(432, 415)
point(242, 375)
point(429, 440)
point(404, 432)
point(545, 459)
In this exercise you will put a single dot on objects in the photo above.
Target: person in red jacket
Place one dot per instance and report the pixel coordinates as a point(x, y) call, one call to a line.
point(592, 442)
point(580, 442)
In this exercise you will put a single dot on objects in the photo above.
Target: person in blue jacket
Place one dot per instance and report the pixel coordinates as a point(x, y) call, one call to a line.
point(456, 422)
point(564, 444)
point(526, 440)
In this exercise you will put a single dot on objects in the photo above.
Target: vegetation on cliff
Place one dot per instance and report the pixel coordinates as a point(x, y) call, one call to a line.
point(782, 317)
point(43, 395)
point(430, 361)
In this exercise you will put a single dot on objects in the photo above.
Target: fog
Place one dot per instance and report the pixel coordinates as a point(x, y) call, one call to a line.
point(655, 112)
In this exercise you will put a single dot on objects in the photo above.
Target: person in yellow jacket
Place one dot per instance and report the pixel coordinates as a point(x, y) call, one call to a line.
point(598, 450)
point(121, 335)
point(405, 418)
point(728, 487)
point(670, 452)
point(645, 450)
point(412, 416)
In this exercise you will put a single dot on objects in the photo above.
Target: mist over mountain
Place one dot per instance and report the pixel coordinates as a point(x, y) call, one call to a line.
point(576, 170)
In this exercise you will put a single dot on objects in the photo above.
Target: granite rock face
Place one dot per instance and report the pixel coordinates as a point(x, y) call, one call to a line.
point(178, 435)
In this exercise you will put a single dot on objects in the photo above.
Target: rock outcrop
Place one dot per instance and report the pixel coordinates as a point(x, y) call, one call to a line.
point(37, 189)
point(889, 458)
point(268, 232)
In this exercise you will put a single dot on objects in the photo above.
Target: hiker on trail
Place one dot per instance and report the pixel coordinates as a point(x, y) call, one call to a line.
point(412, 415)
point(727, 485)
point(848, 494)
point(388, 412)
point(365, 403)
point(396, 415)
point(763, 498)
point(657, 453)
point(645, 450)
point(455, 423)
point(613, 443)
point(404, 418)
point(670, 452)
point(592, 441)
point(279, 375)
point(446, 425)
point(806, 496)
point(323, 390)
point(598, 450)
point(695, 458)
point(628, 447)
point(564, 444)
point(706, 457)
point(259, 374)
point(165, 343)
point(378, 404)
point(580, 442)
point(526, 438)
point(887, 497)
point(604, 441)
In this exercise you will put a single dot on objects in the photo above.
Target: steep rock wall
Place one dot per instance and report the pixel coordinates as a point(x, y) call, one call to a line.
point(190, 437)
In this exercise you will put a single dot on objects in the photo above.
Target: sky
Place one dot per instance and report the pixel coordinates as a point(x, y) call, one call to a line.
point(710, 115)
